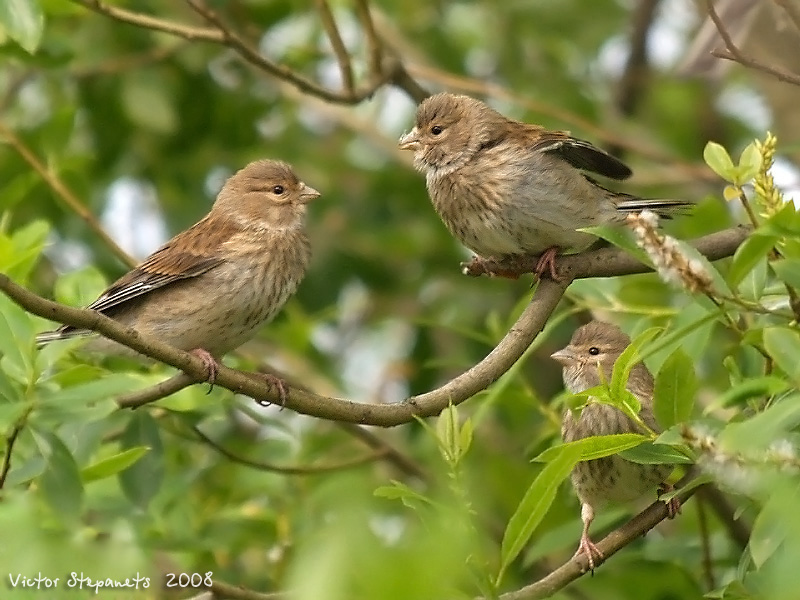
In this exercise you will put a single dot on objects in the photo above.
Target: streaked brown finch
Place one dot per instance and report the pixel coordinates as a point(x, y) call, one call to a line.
point(594, 349)
point(211, 287)
point(507, 189)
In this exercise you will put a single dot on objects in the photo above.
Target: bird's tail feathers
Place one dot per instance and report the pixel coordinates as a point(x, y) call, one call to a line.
point(663, 207)
point(63, 333)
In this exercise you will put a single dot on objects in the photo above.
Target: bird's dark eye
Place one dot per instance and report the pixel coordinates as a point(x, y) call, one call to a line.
point(436, 129)
point(277, 190)
point(594, 350)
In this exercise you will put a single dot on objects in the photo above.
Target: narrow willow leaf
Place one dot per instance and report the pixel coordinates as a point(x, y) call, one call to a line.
point(596, 446)
point(675, 389)
point(535, 504)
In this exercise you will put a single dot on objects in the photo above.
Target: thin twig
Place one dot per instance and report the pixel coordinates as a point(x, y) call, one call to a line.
point(64, 193)
point(374, 47)
point(733, 53)
point(391, 454)
point(339, 50)
point(286, 470)
point(727, 514)
point(705, 545)
point(187, 32)
point(253, 56)
point(155, 392)
point(632, 83)
point(10, 441)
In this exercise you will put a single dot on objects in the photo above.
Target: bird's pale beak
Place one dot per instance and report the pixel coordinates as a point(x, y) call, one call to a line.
point(307, 193)
point(409, 141)
point(564, 356)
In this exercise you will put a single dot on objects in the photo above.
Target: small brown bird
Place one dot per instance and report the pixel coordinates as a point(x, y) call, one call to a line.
point(507, 189)
point(209, 288)
point(610, 479)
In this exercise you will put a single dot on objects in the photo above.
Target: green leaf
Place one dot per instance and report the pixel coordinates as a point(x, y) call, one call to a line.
point(536, 503)
point(113, 464)
point(596, 446)
point(79, 288)
point(769, 526)
point(675, 389)
point(627, 360)
point(407, 495)
point(753, 285)
point(749, 163)
point(447, 432)
point(112, 384)
point(748, 255)
point(696, 482)
point(621, 237)
point(788, 271)
point(20, 252)
point(23, 21)
point(142, 480)
point(60, 483)
point(760, 387)
point(761, 431)
point(719, 160)
point(783, 345)
point(784, 223)
point(649, 453)
point(16, 342)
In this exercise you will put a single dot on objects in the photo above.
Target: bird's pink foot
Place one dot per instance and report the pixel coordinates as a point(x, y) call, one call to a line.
point(547, 263)
point(486, 266)
point(211, 365)
point(275, 382)
point(587, 547)
point(673, 504)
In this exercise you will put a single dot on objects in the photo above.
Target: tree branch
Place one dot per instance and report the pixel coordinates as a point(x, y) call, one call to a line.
point(609, 545)
point(610, 262)
point(601, 263)
point(733, 53)
point(385, 415)
point(632, 82)
point(155, 392)
point(287, 470)
point(10, 441)
point(64, 193)
point(339, 50)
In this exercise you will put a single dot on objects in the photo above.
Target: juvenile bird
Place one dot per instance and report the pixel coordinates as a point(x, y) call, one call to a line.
point(507, 189)
point(594, 346)
point(209, 288)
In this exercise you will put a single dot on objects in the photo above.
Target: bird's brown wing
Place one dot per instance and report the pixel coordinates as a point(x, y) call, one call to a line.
point(189, 254)
point(581, 154)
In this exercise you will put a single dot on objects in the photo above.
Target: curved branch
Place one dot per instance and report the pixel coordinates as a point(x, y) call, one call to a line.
point(604, 263)
point(609, 545)
point(284, 469)
point(223, 35)
point(386, 415)
point(155, 392)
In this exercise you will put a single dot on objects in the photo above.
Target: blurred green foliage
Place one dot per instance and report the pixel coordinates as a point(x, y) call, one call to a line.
point(383, 313)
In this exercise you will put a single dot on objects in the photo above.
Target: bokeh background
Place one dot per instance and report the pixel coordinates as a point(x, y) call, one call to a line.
point(135, 130)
